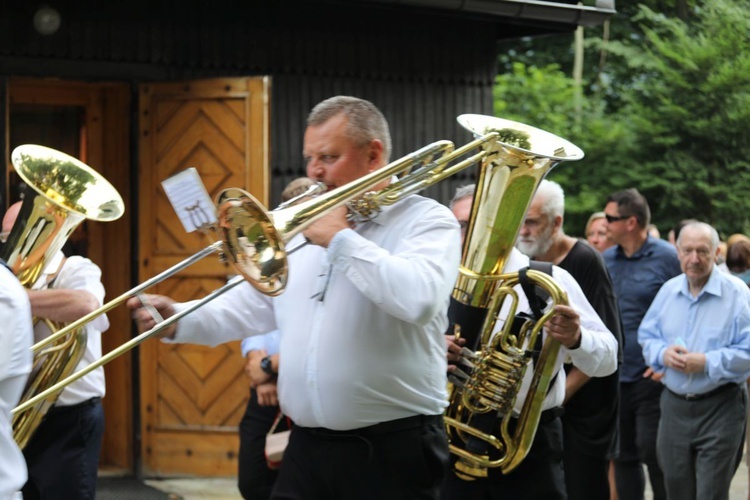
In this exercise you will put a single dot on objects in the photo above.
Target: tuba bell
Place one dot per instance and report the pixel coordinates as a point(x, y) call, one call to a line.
point(484, 394)
point(65, 191)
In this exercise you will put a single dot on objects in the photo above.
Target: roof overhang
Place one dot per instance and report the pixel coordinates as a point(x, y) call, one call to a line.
point(557, 13)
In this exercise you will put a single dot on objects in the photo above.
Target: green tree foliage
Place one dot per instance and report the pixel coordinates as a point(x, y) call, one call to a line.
point(544, 98)
point(689, 103)
point(669, 114)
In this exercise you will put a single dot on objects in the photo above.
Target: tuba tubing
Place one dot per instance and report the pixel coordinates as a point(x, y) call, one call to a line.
point(511, 169)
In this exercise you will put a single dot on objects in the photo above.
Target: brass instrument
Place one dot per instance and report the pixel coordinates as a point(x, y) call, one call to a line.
point(485, 394)
point(66, 191)
point(253, 239)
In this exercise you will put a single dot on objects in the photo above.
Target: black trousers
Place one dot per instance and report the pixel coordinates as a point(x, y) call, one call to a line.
point(539, 477)
point(639, 423)
point(586, 476)
point(402, 459)
point(254, 479)
point(63, 455)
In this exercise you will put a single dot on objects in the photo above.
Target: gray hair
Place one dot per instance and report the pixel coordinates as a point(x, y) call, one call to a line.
point(461, 193)
point(365, 122)
point(705, 229)
point(553, 198)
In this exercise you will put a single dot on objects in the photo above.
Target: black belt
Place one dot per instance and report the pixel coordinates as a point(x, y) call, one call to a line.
point(691, 396)
point(79, 406)
point(401, 424)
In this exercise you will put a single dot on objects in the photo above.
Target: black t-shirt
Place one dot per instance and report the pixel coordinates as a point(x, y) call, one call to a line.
point(590, 419)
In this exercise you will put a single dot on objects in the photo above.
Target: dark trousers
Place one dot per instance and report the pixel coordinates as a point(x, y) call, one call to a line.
point(586, 476)
point(402, 459)
point(699, 442)
point(539, 477)
point(254, 479)
point(639, 423)
point(63, 455)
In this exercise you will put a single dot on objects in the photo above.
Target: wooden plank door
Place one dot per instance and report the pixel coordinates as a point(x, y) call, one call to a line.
point(193, 397)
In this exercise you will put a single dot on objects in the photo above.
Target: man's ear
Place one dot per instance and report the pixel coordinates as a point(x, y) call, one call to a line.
point(557, 222)
point(375, 154)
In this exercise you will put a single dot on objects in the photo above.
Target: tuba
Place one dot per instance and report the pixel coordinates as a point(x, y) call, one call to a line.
point(65, 192)
point(479, 419)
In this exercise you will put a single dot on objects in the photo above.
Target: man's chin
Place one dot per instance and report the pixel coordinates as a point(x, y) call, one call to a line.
point(525, 248)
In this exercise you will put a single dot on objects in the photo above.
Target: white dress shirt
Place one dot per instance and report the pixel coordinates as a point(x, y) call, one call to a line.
point(78, 273)
point(597, 355)
point(15, 364)
point(362, 323)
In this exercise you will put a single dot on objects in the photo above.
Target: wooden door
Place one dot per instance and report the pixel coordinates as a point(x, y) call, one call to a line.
point(193, 397)
point(91, 122)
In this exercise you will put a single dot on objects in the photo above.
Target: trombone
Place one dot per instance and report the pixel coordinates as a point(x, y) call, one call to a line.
point(253, 239)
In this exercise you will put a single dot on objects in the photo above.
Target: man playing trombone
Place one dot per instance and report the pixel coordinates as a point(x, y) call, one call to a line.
point(363, 364)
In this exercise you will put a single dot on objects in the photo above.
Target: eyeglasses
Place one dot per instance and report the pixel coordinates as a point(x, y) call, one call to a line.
point(613, 218)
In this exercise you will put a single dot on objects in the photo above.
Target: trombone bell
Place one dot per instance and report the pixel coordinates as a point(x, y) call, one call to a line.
point(251, 242)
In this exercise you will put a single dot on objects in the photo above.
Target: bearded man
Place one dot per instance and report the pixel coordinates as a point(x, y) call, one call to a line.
point(591, 404)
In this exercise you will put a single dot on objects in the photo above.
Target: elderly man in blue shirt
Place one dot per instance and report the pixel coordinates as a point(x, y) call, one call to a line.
point(697, 331)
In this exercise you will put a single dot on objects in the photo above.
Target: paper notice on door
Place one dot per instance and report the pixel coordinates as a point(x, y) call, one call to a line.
point(190, 200)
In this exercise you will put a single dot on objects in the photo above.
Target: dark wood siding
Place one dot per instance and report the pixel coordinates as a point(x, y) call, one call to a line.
point(418, 113)
point(421, 69)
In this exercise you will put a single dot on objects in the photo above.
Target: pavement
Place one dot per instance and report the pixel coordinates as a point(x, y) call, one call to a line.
point(198, 488)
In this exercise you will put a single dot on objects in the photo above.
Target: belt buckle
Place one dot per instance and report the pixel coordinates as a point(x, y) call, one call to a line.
point(692, 396)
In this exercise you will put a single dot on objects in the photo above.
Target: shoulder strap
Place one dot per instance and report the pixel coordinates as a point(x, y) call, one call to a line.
point(537, 300)
point(537, 297)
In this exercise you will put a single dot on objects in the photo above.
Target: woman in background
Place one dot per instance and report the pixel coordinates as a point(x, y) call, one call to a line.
point(596, 232)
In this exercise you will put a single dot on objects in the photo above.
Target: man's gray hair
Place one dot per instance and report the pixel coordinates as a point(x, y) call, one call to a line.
point(705, 229)
point(461, 193)
point(365, 122)
point(553, 198)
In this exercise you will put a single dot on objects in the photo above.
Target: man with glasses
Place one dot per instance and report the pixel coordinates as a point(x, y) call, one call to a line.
point(591, 403)
point(541, 473)
point(639, 265)
point(698, 331)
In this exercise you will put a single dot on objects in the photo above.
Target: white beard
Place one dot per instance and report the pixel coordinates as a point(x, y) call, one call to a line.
point(534, 247)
